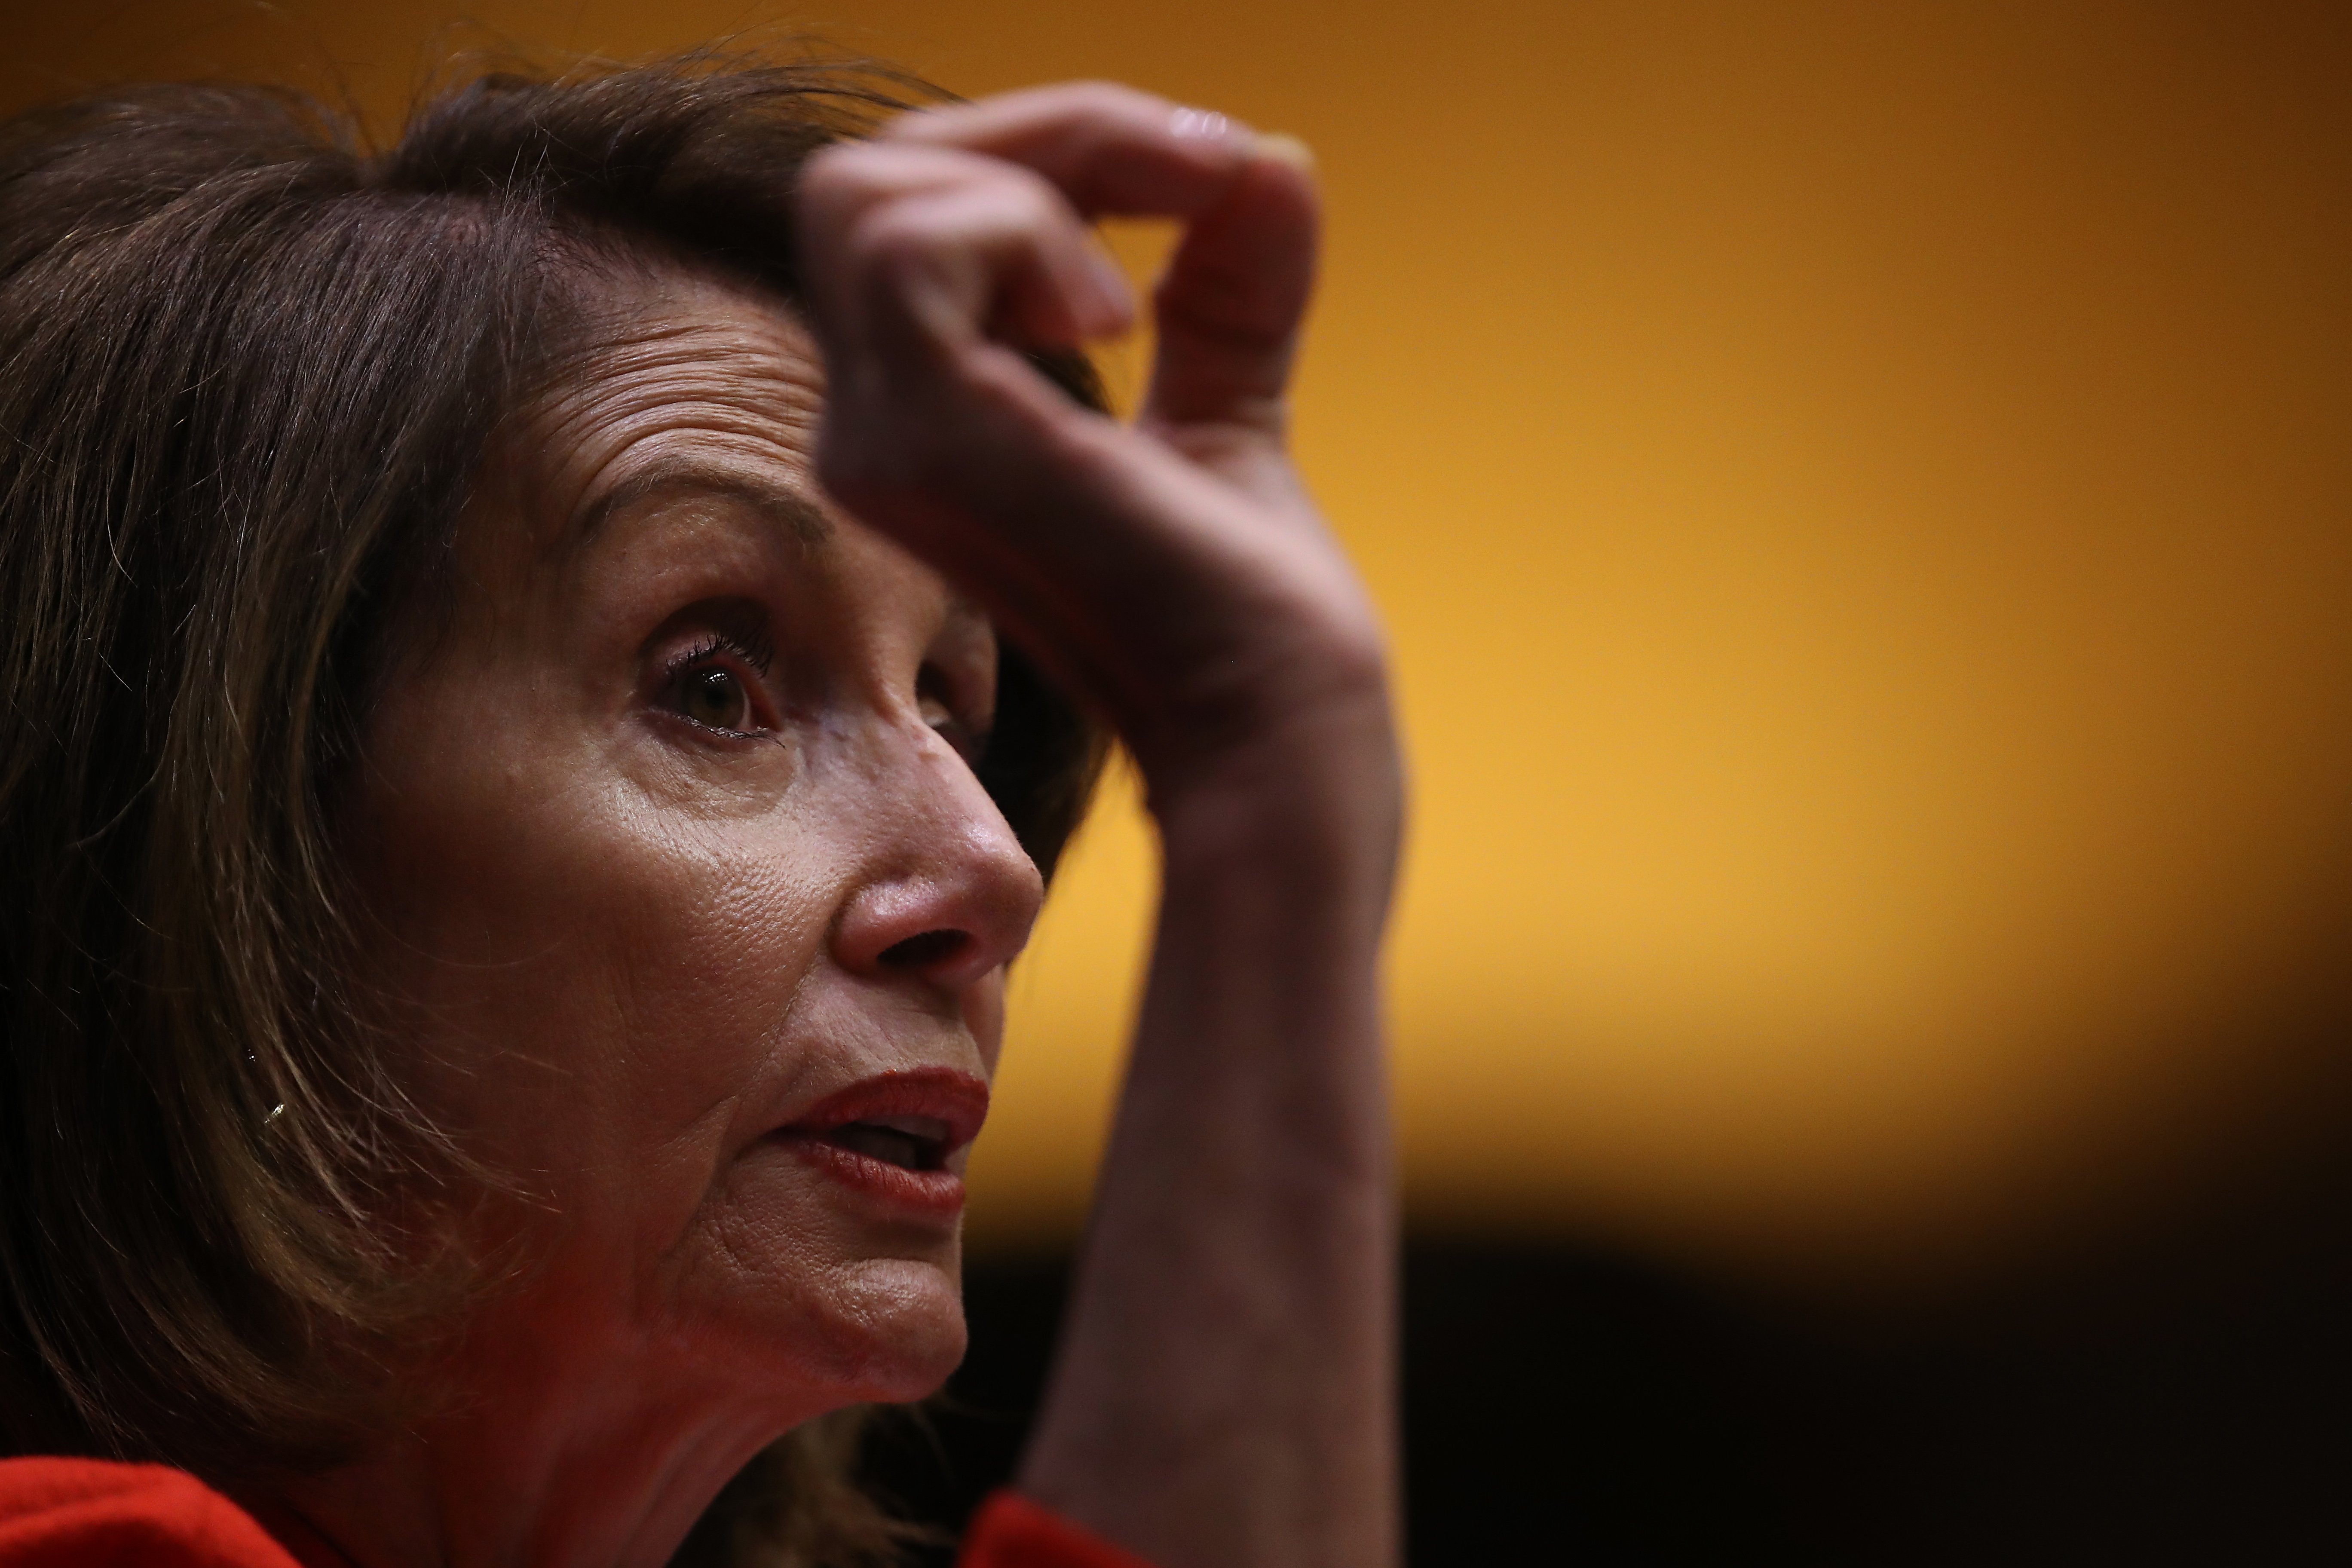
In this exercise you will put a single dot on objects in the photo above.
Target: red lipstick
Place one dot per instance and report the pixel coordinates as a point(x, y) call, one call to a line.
point(891, 1136)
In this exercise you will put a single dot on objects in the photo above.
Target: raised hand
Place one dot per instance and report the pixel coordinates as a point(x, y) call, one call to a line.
point(1173, 572)
point(1225, 1390)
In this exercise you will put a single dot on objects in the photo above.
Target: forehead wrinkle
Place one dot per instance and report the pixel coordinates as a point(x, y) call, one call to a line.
point(677, 357)
point(788, 512)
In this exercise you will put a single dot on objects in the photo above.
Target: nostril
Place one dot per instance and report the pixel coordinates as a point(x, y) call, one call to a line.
point(924, 950)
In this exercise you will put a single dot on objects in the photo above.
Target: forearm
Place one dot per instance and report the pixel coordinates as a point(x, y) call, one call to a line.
point(1224, 1396)
point(1225, 1391)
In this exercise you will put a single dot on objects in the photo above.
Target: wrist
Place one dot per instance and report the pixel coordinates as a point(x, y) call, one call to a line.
point(1317, 804)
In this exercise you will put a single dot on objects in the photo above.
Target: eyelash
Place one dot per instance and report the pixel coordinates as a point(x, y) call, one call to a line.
point(755, 651)
point(758, 652)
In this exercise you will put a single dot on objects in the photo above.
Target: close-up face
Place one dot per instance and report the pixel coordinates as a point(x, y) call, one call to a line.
point(688, 909)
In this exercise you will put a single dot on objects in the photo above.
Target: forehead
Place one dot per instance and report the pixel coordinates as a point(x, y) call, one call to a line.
point(673, 434)
point(670, 379)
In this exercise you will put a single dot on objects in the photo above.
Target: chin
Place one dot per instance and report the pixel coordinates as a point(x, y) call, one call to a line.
point(823, 1296)
point(858, 1332)
point(907, 1318)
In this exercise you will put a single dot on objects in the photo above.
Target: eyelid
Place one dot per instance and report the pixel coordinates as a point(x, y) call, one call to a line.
point(949, 726)
point(936, 690)
point(755, 652)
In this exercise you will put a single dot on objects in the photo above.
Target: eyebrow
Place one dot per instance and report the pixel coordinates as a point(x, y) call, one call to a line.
point(787, 509)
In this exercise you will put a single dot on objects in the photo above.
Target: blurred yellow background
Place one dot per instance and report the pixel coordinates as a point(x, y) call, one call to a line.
point(1862, 495)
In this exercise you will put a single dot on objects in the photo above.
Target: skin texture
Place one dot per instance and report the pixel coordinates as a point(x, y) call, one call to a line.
point(630, 944)
point(1224, 1388)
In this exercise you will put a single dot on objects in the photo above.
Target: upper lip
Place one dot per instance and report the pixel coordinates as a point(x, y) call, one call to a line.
point(956, 1100)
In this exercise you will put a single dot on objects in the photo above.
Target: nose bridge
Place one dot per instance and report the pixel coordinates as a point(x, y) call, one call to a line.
point(945, 889)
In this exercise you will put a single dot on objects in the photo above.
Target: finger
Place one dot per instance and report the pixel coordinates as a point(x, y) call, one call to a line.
point(1108, 149)
point(962, 265)
point(1230, 307)
point(951, 246)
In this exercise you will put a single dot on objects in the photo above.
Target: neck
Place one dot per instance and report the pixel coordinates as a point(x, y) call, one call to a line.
point(531, 1461)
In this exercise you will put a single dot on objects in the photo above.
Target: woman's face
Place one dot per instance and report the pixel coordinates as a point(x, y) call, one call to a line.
point(691, 913)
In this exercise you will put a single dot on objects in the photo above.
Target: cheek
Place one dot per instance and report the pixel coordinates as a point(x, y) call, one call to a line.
point(593, 988)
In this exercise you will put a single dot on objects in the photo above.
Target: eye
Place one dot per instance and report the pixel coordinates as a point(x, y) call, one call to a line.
point(714, 685)
point(934, 700)
point(714, 697)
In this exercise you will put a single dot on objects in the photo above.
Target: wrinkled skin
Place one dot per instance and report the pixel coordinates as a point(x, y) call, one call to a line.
point(630, 943)
point(670, 834)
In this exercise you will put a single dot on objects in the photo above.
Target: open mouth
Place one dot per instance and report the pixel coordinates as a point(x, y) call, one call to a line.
point(910, 1142)
point(895, 1137)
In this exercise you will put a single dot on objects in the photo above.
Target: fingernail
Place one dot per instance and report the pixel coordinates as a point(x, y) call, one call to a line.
point(1281, 149)
point(1198, 125)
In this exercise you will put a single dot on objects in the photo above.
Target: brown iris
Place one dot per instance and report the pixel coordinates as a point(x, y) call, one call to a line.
point(716, 698)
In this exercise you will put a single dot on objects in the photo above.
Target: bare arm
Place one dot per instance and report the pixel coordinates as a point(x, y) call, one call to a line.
point(1225, 1393)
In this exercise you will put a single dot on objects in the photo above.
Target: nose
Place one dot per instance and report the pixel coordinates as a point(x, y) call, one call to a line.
point(949, 894)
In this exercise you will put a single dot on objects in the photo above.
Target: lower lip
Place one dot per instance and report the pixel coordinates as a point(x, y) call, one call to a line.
point(926, 1191)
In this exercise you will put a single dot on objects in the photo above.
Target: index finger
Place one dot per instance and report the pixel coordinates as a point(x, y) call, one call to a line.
point(1109, 149)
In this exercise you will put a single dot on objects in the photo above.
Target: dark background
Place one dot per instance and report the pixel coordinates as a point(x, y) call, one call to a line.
point(2179, 1395)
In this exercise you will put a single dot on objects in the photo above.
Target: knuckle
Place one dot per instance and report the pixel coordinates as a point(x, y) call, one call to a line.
point(1097, 96)
point(996, 214)
point(1111, 100)
point(833, 183)
point(1032, 203)
point(896, 239)
point(831, 170)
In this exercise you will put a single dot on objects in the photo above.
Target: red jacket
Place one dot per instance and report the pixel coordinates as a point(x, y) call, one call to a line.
point(86, 1513)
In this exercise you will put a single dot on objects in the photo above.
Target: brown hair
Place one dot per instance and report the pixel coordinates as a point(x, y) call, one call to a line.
point(250, 369)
